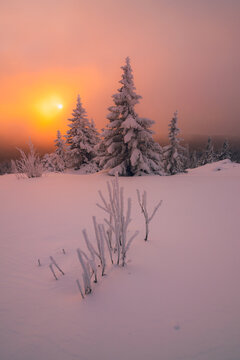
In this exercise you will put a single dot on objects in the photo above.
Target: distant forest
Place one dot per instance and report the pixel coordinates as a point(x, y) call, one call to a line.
point(194, 144)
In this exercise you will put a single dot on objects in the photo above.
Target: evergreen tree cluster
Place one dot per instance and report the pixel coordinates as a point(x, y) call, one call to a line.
point(209, 155)
point(126, 146)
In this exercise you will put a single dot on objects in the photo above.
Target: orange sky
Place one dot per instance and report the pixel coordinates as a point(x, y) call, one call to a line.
point(185, 55)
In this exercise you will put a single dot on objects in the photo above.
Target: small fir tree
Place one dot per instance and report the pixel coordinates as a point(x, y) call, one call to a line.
point(60, 152)
point(193, 159)
point(174, 154)
point(57, 160)
point(225, 152)
point(48, 162)
point(60, 145)
point(127, 147)
point(209, 155)
point(81, 138)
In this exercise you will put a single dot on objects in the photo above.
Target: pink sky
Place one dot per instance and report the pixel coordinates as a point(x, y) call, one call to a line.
point(185, 55)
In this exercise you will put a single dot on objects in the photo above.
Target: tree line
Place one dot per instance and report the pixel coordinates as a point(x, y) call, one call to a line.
point(125, 147)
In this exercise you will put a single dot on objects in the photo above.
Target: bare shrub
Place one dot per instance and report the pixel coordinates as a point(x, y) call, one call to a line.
point(142, 200)
point(29, 165)
point(118, 222)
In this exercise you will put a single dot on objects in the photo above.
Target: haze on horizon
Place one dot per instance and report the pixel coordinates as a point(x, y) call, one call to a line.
point(185, 55)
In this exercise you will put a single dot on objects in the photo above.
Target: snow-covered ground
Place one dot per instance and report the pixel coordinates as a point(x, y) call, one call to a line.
point(177, 299)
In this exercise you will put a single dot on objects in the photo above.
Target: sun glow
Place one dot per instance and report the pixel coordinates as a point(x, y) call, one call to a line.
point(49, 106)
point(44, 102)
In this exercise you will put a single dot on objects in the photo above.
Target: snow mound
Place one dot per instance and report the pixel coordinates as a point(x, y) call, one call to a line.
point(223, 168)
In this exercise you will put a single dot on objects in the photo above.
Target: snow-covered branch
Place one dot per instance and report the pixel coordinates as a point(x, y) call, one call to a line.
point(118, 222)
point(86, 271)
point(142, 200)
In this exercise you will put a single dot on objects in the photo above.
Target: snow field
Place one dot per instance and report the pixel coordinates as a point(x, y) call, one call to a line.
point(178, 297)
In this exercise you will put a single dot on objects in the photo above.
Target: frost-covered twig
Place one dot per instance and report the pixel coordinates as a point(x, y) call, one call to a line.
point(100, 244)
point(126, 247)
point(108, 241)
point(57, 266)
point(143, 205)
point(80, 288)
point(93, 253)
point(85, 274)
point(53, 272)
point(118, 221)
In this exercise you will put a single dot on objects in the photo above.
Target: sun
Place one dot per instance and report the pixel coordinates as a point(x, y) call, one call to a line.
point(48, 107)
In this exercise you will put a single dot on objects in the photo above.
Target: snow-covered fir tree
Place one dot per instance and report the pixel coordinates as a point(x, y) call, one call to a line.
point(127, 145)
point(81, 138)
point(60, 153)
point(187, 162)
point(57, 160)
point(175, 158)
point(209, 155)
point(225, 152)
point(193, 159)
point(48, 161)
point(60, 145)
point(94, 133)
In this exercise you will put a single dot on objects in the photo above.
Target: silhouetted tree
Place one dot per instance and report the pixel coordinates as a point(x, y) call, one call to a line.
point(225, 152)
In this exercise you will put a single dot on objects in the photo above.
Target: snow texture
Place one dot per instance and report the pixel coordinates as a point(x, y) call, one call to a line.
point(177, 298)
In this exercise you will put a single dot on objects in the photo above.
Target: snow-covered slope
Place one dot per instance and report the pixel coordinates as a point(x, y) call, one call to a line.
point(178, 297)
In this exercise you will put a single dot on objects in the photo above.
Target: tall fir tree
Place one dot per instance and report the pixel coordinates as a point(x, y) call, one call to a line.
point(174, 154)
point(225, 152)
point(209, 155)
point(127, 145)
point(81, 138)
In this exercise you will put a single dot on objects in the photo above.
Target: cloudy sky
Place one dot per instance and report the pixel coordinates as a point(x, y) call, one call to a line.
point(185, 55)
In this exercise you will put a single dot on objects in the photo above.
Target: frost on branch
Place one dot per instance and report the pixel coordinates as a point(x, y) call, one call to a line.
point(100, 252)
point(142, 200)
point(118, 221)
point(86, 275)
point(29, 165)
